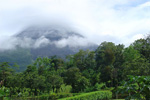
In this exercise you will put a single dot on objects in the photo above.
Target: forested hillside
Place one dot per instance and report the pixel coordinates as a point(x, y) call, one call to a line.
point(19, 56)
point(85, 71)
point(44, 41)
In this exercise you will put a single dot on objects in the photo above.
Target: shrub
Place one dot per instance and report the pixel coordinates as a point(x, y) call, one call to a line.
point(65, 88)
point(98, 95)
point(138, 87)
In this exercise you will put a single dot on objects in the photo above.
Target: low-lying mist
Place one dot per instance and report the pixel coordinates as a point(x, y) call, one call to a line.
point(40, 36)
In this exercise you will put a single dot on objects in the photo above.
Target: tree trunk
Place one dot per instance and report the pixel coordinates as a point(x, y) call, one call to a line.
point(53, 88)
point(147, 98)
point(30, 93)
point(2, 98)
point(35, 92)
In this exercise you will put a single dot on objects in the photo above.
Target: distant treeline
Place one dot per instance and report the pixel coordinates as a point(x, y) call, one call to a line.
point(84, 71)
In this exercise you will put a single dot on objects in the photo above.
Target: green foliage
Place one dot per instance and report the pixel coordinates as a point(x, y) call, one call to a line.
point(138, 87)
point(130, 54)
point(98, 87)
point(56, 82)
point(52, 96)
point(65, 88)
point(106, 57)
point(84, 71)
point(143, 46)
point(74, 78)
point(98, 95)
point(135, 63)
point(2, 93)
point(138, 67)
point(5, 72)
point(105, 53)
point(84, 60)
point(62, 95)
point(20, 56)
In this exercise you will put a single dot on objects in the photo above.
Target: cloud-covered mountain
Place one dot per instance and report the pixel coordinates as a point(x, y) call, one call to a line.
point(53, 40)
point(39, 41)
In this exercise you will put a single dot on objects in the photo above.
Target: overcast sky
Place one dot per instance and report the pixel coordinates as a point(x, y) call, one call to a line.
point(118, 21)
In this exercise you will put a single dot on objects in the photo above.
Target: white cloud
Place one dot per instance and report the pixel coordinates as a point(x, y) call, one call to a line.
point(10, 44)
point(72, 41)
point(42, 41)
point(98, 20)
point(146, 4)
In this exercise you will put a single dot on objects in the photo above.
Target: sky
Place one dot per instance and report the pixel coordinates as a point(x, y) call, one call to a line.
point(118, 21)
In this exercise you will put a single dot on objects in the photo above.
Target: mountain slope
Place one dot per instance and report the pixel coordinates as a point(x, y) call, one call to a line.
point(37, 41)
point(54, 40)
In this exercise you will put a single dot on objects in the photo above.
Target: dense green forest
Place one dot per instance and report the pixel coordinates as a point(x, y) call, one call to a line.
point(20, 56)
point(124, 71)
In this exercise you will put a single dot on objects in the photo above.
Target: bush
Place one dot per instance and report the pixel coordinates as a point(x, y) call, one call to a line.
point(96, 87)
point(62, 95)
point(138, 87)
point(98, 95)
point(65, 88)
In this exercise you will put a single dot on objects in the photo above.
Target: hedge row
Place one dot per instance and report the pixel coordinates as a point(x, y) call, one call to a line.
point(97, 95)
point(52, 96)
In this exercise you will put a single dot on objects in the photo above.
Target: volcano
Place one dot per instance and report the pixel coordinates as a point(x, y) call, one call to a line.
point(47, 41)
point(54, 40)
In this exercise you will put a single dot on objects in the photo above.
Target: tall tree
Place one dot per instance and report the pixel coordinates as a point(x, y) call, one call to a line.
point(143, 46)
point(5, 71)
point(74, 78)
point(135, 64)
point(105, 57)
